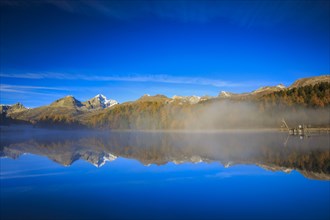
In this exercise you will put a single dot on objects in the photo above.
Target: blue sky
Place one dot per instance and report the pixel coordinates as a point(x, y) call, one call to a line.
point(124, 49)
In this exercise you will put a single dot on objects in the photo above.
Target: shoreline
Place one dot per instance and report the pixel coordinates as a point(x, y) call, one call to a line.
point(8, 128)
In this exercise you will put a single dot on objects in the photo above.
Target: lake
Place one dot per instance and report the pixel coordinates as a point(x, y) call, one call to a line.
point(50, 174)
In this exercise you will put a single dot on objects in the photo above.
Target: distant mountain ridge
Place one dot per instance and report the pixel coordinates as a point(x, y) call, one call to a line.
point(162, 112)
point(101, 102)
point(61, 112)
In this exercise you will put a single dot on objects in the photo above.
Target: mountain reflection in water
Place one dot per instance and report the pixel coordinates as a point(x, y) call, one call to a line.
point(271, 150)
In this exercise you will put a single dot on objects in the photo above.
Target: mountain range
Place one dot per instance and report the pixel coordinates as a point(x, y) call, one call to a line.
point(161, 112)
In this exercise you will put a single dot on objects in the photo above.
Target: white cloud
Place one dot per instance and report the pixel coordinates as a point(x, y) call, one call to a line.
point(28, 89)
point(6, 86)
point(161, 78)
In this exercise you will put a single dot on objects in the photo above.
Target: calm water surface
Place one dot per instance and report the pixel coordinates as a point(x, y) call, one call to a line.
point(163, 175)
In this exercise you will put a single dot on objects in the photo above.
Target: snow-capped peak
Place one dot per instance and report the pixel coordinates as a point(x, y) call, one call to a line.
point(225, 94)
point(106, 102)
point(100, 96)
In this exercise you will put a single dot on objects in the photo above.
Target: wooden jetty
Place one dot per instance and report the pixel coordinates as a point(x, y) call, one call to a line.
point(301, 130)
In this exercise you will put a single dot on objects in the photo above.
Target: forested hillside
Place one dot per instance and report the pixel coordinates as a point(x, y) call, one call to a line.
point(317, 95)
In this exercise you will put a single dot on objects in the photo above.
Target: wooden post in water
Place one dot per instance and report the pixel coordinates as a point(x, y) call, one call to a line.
point(283, 121)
